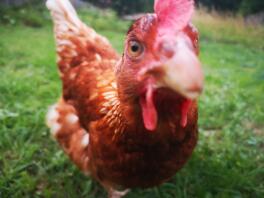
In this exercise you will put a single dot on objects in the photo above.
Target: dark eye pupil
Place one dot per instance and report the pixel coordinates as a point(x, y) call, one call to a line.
point(134, 48)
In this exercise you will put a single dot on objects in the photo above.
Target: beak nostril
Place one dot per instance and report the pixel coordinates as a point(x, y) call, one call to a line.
point(166, 49)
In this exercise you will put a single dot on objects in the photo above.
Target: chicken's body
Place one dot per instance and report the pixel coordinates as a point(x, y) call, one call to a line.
point(99, 123)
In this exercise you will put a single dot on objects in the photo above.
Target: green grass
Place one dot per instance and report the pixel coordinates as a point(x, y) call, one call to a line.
point(228, 161)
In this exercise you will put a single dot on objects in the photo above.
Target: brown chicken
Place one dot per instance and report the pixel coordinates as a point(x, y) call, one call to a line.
point(131, 120)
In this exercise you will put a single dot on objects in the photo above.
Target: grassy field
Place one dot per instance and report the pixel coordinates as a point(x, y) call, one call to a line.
point(228, 161)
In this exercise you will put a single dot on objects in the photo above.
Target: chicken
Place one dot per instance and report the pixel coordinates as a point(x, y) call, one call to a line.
point(128, 121)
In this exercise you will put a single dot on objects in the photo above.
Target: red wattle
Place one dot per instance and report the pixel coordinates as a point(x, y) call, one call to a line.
point(184, 111)
point(149, 112)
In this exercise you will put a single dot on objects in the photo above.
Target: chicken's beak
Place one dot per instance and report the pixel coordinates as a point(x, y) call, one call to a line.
point(181, 73)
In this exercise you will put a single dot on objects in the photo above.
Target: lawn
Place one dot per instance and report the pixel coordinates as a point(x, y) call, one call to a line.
point(228, 161)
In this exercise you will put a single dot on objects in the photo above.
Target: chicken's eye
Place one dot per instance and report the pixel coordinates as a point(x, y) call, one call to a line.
point(135, 49)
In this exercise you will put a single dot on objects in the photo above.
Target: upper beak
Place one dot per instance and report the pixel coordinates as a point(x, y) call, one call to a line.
point(181, 73)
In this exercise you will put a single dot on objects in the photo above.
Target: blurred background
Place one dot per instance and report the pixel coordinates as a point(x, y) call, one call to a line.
point(229, 158)
point(245, 7)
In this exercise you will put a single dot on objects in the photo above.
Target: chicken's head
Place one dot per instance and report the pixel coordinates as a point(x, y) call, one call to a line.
point(161, 53)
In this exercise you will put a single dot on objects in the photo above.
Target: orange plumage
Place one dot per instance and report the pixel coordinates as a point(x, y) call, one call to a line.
point(128, 121)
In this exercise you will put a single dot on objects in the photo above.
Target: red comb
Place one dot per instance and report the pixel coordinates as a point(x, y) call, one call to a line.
point(173, 15)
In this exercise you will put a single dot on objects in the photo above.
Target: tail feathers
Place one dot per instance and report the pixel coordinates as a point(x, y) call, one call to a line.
point(70, 32)
point(63, 13)
point(76, 43)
